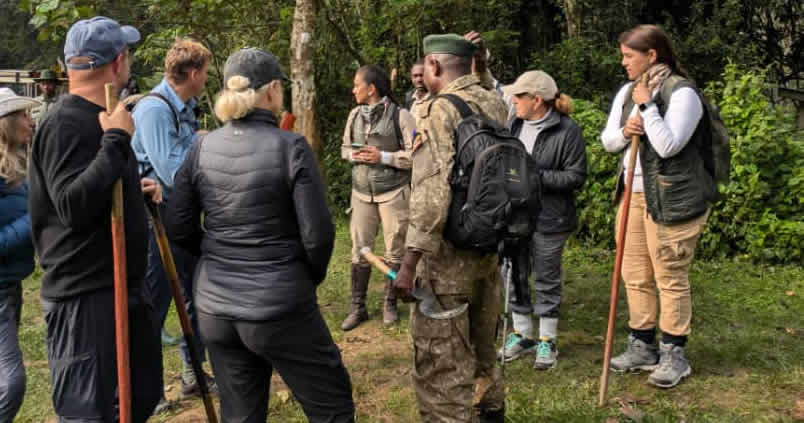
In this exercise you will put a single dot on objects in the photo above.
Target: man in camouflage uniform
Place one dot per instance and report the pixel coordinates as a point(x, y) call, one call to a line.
point(49, 86)
point(454, 360)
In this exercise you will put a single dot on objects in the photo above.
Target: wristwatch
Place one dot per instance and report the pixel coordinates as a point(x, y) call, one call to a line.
point(644, 106)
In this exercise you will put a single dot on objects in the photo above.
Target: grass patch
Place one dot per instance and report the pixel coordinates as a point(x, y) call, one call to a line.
point(746, 351)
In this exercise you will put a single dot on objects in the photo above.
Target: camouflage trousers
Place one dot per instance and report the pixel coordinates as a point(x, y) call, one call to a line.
point(454, 360)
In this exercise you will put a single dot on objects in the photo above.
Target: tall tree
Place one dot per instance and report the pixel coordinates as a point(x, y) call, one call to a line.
point(302, 72)
point(574, 18)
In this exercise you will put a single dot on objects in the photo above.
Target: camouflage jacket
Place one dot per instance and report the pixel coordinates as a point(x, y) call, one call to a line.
point(433, 158)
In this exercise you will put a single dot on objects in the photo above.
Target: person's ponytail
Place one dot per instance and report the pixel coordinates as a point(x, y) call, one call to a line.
point(562, 103)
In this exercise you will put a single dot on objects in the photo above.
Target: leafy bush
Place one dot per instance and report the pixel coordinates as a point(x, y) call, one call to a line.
point(596, 199)
point(761, 213)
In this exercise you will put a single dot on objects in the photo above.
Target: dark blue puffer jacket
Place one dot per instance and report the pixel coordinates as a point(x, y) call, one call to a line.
point(16, 247)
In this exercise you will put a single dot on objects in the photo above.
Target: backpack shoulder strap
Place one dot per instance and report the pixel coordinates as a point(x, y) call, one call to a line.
point(459, 104)
point(169, 104)
point(671, 84)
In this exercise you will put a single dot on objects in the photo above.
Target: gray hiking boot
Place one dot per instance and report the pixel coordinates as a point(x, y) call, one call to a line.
point(546, 355)
point(516, 346)
point(673, 366)
point(637, 356)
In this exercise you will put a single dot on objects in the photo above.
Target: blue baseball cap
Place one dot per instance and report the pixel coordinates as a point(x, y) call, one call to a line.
point(100, 38)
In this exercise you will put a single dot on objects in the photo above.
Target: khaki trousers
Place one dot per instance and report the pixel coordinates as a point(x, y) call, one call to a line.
point(658, 257)
point(365, 221)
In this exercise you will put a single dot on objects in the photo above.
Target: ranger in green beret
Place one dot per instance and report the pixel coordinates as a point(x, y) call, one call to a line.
point(454, 373)
point(49, 86)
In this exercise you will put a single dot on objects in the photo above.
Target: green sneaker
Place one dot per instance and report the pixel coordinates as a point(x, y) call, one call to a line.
point(168, 339)
point(546, 354)
point(516, 346)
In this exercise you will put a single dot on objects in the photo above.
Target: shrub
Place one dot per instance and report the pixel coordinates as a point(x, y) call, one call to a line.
point(760, 214)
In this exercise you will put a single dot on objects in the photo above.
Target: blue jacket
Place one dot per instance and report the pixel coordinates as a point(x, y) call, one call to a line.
point(16, 247)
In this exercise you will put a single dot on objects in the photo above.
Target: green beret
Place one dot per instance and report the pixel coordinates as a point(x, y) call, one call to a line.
point(452, 44)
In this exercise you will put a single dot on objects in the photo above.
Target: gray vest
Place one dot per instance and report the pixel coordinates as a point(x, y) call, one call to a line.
point(375, 179)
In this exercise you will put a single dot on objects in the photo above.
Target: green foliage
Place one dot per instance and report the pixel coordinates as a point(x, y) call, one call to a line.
point(761, 212)
point(582, 68)
point(596, 199)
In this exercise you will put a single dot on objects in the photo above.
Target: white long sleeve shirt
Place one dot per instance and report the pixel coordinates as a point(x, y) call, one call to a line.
point(668, 135)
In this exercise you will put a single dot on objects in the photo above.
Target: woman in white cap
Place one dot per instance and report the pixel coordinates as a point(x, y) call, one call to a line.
point(265, 246)
point(556, 143)
point(16, 247)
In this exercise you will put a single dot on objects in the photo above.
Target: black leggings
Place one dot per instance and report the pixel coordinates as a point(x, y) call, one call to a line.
point(299, 346)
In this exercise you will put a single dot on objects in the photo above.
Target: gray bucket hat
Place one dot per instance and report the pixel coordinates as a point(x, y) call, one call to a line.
point(10, 102)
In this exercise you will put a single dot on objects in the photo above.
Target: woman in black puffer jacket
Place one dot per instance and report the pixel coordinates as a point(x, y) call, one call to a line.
point(265, 245)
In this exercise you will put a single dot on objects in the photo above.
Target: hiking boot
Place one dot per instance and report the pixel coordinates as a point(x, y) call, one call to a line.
point(190, 388)
point(390, 315)
point(516, 346)
point(546, 355)
point(359, 314)
point(673, 366)
point(637, 356)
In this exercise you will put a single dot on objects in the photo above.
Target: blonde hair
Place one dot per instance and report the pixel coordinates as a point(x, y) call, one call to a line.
point(13, 153)
point(237, 99)
point(185, 55)
point(563, 104)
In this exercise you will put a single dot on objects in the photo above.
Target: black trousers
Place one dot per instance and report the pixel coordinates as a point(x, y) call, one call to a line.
point(245, 353)
point(83, 362)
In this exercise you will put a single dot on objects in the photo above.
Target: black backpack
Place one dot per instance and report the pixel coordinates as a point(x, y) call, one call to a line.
point(495, 184)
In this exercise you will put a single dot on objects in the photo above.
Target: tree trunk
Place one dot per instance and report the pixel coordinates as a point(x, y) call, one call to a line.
point(573, 11)
point(302, 72)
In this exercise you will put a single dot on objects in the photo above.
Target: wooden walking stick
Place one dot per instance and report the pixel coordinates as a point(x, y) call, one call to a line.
point(120, 285)
point(187, 329)
point(618, 265)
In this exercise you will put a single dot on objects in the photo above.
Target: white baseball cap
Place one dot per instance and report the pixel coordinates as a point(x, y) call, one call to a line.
point(10, 102)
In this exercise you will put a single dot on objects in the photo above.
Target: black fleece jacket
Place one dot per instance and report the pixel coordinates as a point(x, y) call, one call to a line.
point(560, 151)
point(74, 166)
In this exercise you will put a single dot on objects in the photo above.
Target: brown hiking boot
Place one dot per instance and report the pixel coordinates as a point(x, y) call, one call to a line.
point(359, 314)
point(390, 315)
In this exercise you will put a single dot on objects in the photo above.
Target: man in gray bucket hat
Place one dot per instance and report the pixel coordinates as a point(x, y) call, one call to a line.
point(79, 152)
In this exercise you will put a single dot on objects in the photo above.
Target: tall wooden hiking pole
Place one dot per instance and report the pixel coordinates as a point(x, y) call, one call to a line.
point(618, 265)
point(186, 328)
point(120, 285)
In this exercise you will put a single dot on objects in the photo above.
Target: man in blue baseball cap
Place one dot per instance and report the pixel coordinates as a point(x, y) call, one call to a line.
point(80, 150)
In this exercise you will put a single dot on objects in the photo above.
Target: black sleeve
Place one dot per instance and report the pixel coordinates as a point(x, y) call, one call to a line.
point(183, 216)
point(312, 213)
point(78, 177)
point(573, 164)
